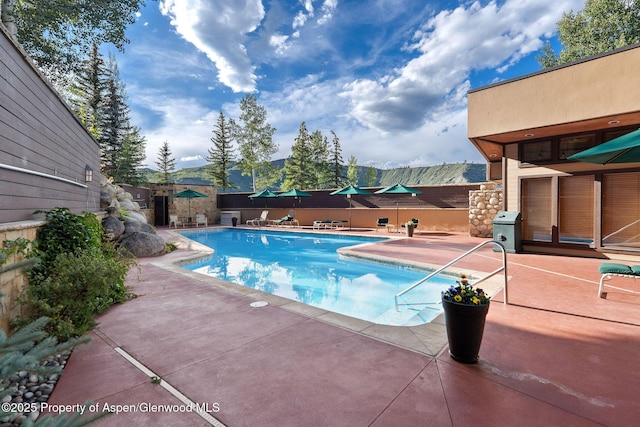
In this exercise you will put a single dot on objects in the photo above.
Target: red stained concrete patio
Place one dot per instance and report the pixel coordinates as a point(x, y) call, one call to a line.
point(556, 355)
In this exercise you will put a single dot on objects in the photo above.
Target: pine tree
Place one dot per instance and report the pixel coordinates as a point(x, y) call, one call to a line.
point(122, 146)
point(87, 91)
point(337, 164)
point(130, 159)
point(115, 121)
point(320, 161)
point(298, 168)
point(166, 164)
point(221, 155)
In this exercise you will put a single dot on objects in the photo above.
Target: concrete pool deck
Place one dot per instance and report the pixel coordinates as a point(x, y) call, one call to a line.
point(557, 354)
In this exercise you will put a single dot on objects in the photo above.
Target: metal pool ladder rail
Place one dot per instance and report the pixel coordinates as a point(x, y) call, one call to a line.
point(441, 269)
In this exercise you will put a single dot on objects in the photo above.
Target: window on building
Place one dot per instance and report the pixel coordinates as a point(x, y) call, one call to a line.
point(575, 144)
point(536, 209)
point(575, 209)
point(535, 152)
point(621, 209)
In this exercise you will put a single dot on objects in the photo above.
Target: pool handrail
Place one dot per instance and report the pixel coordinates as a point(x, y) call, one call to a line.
point(470, 251)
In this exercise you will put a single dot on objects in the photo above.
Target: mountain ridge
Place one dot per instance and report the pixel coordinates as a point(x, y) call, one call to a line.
point(446, 173)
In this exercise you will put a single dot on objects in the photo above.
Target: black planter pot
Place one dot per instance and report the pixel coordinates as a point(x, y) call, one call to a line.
point(465, 325)
point(234, 221)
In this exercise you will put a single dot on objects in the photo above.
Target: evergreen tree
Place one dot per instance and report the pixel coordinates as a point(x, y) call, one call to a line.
point(337, 164)
point(298, 168)
point(352, 171)
point(254, 136)
point(114, 121)
point(88, 90)
point(221, 155)
point(130, 160)
point(166, 164)
point(116, 131)
point(602, 26)
point(321, 177)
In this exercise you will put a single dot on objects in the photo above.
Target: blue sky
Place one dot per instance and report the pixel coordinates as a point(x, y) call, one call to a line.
point(390, 77)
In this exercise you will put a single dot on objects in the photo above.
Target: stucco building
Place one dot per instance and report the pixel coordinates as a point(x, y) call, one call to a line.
point(527, 127)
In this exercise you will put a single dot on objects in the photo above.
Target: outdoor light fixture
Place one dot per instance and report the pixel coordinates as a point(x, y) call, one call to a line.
point(528, 135)
point(614, 122)
point(88, 174)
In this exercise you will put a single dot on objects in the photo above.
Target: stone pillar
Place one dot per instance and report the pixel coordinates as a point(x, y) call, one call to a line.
point(484, 204)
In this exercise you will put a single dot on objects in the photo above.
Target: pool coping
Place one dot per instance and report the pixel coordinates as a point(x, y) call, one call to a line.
point(429, 339)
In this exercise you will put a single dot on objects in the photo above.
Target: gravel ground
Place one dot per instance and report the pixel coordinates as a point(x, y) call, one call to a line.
point(32, 390)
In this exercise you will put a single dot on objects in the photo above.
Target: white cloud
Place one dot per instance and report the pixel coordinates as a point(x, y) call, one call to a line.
point(219, 28)
point(449, 46)
point(411, 109)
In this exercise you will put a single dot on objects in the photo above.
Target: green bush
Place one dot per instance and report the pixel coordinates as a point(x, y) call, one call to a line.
point(78, 277)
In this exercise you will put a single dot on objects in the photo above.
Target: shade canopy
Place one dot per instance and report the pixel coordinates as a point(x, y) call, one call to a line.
point(294, 192)
point(266, 193)
point(349, 190)
point(189, 194)
point(398, 189)
point(623, 149)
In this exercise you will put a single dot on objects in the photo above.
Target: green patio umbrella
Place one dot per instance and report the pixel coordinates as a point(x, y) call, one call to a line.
point(398, 189)
point(296, 194)
point(264, 194)
point(623, 149)
point(349, 191)
point(189, 194)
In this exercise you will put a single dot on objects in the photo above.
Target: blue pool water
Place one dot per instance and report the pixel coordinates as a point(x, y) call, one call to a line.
point(307, 268)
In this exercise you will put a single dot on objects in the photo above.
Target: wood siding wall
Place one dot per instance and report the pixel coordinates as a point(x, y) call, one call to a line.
point(44, 149)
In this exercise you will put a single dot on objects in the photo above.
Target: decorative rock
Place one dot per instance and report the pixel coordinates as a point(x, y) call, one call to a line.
point(113, 228)
point(484, 204)
point(143, 244)
point(134, 226)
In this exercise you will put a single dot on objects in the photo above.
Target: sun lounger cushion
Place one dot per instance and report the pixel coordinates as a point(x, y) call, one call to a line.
point(614, 268)
point(609, 269)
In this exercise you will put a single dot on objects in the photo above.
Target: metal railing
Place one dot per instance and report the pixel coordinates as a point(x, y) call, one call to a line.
point(441, 269)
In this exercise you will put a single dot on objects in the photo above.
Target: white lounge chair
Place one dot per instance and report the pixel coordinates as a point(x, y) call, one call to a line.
point(201, 219)
point(259, 221)
point(175, 220)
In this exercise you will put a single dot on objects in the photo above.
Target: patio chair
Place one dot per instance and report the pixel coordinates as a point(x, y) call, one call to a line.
point(259, 221)
point(382, 222)
point(201, 219)
point(329, 223)
point(610, 269)
point(175, 220)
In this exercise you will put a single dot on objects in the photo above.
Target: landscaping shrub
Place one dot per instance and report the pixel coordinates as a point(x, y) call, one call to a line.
point(78, 277)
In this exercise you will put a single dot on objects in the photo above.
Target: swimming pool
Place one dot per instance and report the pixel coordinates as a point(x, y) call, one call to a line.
point(307, 268)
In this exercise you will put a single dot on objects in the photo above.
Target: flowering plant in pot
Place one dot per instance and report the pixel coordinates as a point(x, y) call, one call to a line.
point(465, 309)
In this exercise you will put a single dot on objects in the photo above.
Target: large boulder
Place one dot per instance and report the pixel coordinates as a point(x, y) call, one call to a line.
point(113, 228)
point(132, 225)
point(105, 200)
point(143, 244)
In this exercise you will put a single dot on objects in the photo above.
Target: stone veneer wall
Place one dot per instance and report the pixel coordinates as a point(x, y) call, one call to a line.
point(12, 278)
point(484, 204)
